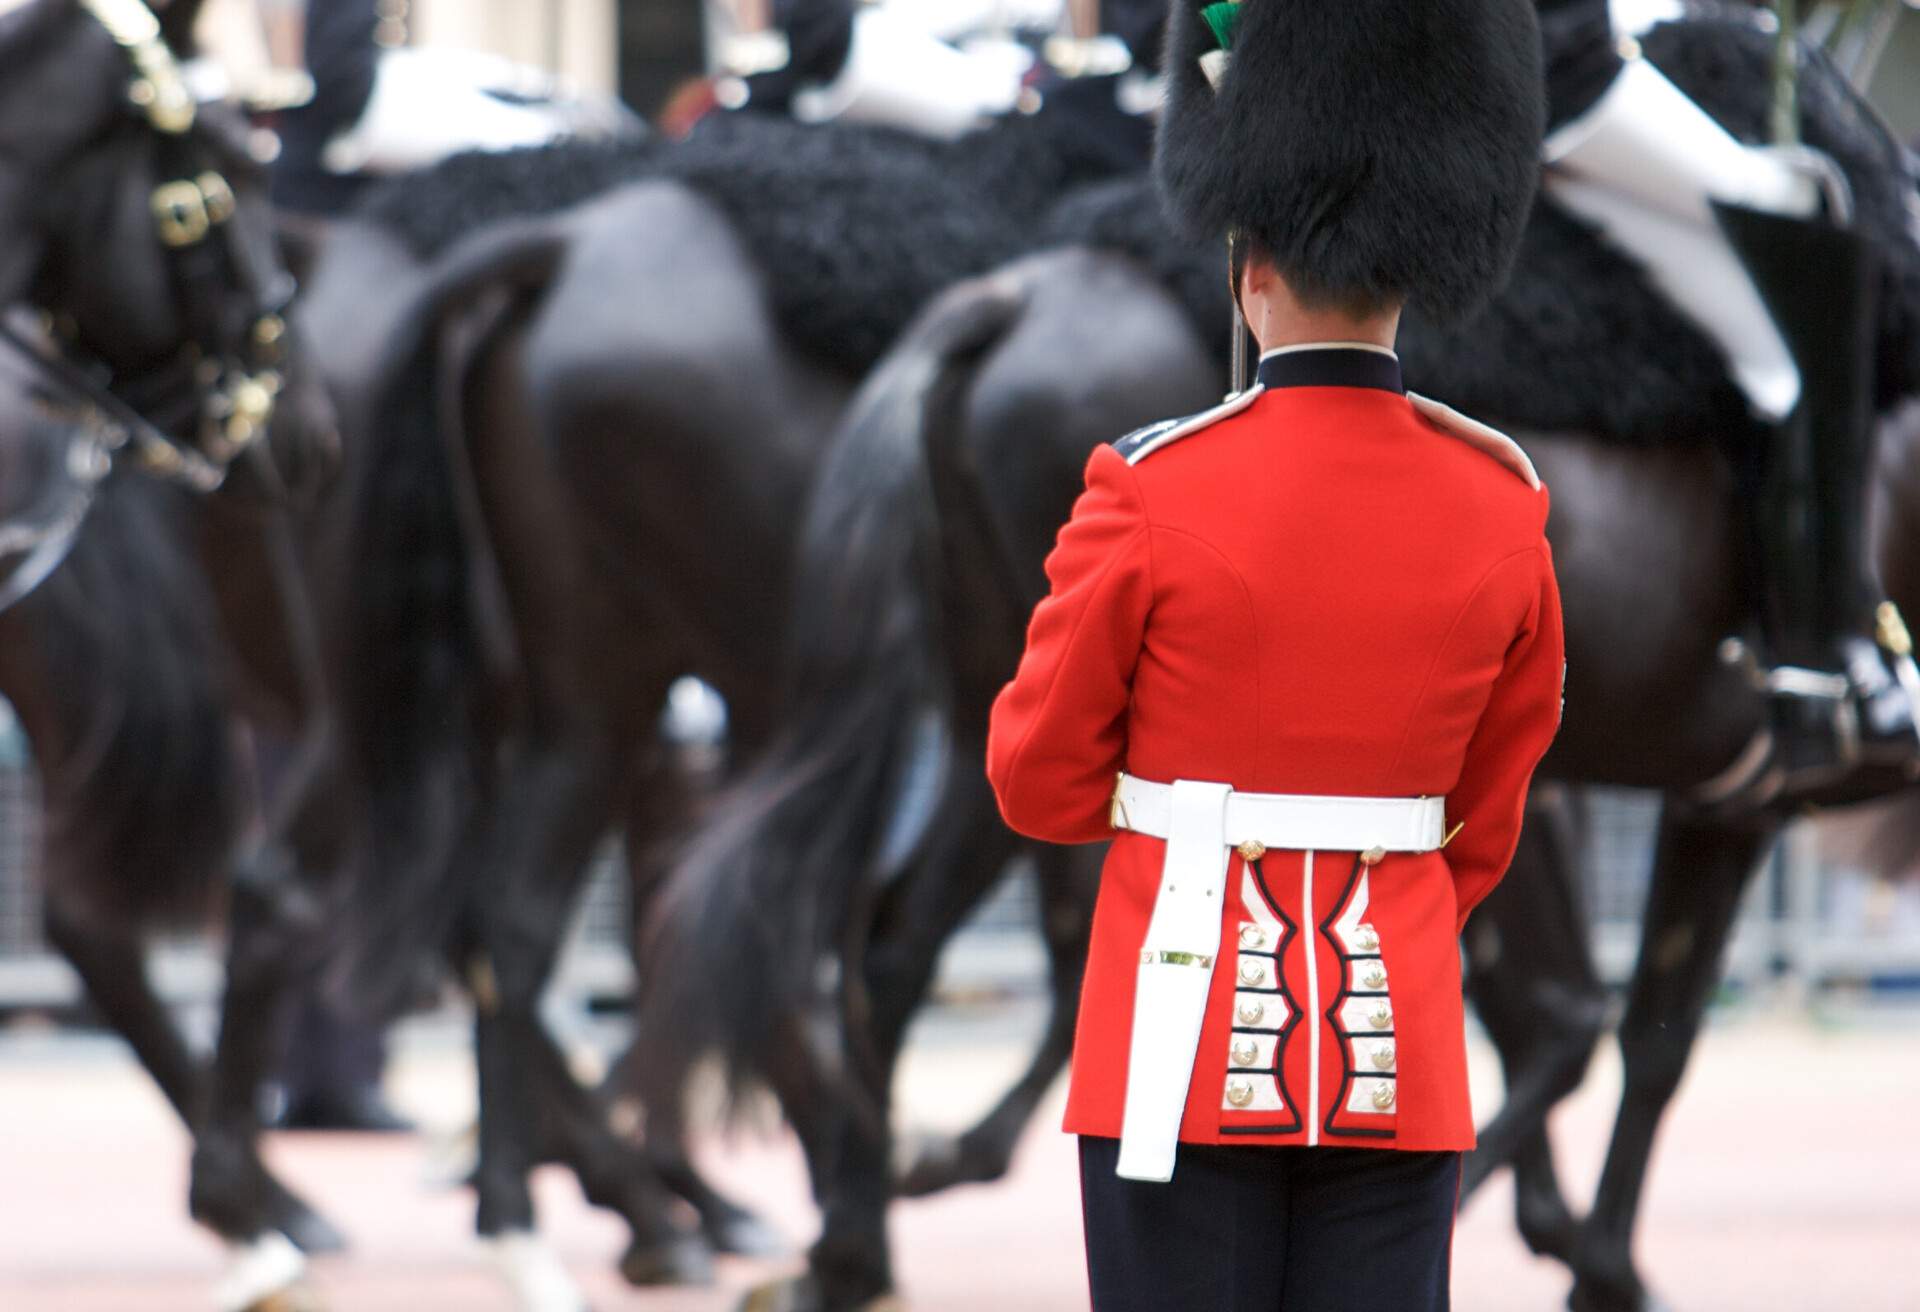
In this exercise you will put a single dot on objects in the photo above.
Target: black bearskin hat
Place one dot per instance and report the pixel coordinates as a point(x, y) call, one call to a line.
point(1378, 149)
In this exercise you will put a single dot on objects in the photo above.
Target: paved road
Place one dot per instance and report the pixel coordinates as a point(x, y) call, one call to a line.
point(1789, 1181)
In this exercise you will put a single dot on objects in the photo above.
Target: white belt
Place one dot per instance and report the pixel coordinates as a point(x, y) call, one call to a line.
point(1201, 823)
point(1295, 821)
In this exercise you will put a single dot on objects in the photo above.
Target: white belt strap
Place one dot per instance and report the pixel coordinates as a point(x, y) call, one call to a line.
point(1294, 821)
point(1202, 823)
point(1176, 970)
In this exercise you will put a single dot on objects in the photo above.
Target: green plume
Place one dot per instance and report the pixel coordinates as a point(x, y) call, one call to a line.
point(1223, 18)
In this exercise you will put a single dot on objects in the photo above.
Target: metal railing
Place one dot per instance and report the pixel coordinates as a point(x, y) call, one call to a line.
point(1822, 926)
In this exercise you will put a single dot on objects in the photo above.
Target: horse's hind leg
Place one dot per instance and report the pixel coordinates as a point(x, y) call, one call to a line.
point(1700, 870)
point(662, 800)
point(532, 851)
point(1533, 982)
point(1068, 878)
point(850, 1154)
point(614, 1172)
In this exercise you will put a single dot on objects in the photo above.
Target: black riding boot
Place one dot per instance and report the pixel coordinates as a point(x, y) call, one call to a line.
point(1835, 690)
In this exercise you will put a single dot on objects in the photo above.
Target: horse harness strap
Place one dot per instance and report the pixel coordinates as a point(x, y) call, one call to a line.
point(158, 453)
point(158, 89)
point(46, 549)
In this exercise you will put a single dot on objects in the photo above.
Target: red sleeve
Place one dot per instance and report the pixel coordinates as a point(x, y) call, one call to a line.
point(1515, 729)
point(1058, 734)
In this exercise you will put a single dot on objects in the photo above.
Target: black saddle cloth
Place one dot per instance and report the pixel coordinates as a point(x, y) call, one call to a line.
point(860, 226)
point(854, 227)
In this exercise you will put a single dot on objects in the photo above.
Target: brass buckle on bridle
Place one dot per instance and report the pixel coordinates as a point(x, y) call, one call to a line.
point(187, 210)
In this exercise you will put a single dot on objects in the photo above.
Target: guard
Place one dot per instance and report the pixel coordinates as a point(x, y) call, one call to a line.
point(1300, 657)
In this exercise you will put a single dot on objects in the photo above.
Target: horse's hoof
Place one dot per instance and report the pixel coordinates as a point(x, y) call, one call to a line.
point(265, 1274)
point(802, 1293)
point(1548, 1229)
point(739, 1233)
point(679, 1260)
point(926, 1164)
point(1596, 1296)
point(934, 1163)
point(310, 1232)
point(533, 1273)
point(297, 1299)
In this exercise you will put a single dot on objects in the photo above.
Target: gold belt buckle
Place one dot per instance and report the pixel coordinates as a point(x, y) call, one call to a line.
point(1149, 957)
point(1117, 817)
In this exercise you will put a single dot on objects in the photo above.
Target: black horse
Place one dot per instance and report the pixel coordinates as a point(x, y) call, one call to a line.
point(935, 508)
point(592, 496)
point(156, 618)
point(142, 293)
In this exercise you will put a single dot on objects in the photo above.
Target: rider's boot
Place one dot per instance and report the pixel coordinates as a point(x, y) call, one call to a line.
point(1736, 236)
point(1842, 666)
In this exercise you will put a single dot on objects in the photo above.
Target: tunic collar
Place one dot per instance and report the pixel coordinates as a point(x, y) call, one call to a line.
point(1331, 364)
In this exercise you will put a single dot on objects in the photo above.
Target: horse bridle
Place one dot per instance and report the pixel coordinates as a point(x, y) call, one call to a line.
point(230, 394)
point(232, 389)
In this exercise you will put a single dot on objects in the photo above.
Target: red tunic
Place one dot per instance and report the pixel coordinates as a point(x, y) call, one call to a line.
point(1332, 590)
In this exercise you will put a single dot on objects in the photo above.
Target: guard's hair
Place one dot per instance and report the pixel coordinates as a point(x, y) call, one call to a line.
point(1381, 150)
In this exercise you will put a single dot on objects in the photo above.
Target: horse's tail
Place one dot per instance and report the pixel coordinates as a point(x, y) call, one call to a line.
point(745, 939)
point(414, 664)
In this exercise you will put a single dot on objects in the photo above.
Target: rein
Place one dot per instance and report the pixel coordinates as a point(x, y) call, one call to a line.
point(47, 547)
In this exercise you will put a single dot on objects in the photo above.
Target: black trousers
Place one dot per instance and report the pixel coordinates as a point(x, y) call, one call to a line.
point(1271, 1230)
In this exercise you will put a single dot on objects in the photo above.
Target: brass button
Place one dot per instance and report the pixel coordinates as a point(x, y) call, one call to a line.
point(1382, 1096)
point(1376, 978)
point(1252, 972)
point(1246, 1053)
point(1380, 1018)
point(1251, 1012)
point(1252, 936)
point(1383, 1057)
point(1368, 938)
point(1239, 1092)
point(1252, 850)
point(1373, 856)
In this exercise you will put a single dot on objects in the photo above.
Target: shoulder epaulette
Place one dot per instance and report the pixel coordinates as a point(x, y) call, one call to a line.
point(1143, 442)
point(1478, 435)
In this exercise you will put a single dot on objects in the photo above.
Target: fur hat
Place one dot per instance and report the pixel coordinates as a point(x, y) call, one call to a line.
point(1377, 148)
